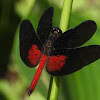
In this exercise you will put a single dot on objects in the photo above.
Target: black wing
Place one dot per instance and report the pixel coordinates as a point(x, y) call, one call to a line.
point(27, 38)
point(75, 59)
point(45, 24)
point(77, 36)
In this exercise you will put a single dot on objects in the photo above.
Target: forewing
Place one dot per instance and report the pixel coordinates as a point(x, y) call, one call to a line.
point(29, 44)
point(67, 61)
point(45, 24)
point(77, 36)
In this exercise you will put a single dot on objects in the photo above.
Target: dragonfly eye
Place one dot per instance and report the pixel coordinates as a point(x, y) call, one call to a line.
point(56, 31)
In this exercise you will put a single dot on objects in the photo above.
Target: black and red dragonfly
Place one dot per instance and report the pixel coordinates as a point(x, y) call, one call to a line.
point(59, 52)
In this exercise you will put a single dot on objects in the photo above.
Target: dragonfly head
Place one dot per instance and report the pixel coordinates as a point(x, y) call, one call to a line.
point(56, 31)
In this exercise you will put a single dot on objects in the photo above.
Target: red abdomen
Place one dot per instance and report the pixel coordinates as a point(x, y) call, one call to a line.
point(37, 74)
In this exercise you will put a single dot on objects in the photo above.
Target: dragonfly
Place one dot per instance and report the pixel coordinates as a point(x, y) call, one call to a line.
point(60, 53)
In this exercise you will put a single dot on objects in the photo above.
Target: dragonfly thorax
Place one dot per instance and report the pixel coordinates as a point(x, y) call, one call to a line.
point(48, 46)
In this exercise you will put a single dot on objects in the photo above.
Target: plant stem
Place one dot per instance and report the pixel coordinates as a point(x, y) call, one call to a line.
point(64, 22)
point(65, 16)
point(53, 88)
